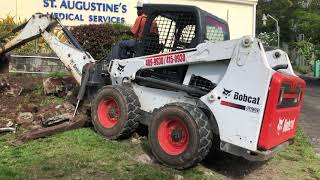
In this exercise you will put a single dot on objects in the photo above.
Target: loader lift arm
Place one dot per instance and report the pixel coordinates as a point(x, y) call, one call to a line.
point(73, 56)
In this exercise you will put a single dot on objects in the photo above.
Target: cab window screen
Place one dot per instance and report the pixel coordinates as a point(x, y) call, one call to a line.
point(175, 31)
point(167, 31)
point(188, 34)
point(215, 30)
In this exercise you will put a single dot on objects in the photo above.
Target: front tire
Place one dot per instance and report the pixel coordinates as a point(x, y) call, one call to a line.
point(115, 112)
point(180, 135)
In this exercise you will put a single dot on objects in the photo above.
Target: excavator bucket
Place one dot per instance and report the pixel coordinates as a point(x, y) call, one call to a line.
point(4, 64)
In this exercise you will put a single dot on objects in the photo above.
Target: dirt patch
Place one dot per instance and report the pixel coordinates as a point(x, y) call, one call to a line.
point(25, 104)
point(13, 103)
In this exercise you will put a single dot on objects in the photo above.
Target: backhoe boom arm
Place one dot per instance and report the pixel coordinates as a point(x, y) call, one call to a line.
point(40, 25)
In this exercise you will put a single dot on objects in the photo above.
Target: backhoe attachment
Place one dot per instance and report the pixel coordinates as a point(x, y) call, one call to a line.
point(40, 25)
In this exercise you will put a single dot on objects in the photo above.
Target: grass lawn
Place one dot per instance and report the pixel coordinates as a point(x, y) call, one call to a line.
point(83, 154)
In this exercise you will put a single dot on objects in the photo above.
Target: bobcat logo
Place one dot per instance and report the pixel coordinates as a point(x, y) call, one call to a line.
point(121, 68)
point(285, 125)
point(226, 92)
point(280, 124)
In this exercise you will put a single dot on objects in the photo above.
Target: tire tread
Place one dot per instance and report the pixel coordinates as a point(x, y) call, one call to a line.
point(204, 131)
point(133, 106)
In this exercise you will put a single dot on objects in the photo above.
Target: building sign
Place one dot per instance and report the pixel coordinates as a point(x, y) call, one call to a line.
point(73, 10)
point(240, 14)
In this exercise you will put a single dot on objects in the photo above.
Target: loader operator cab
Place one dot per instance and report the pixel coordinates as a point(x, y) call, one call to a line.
point(180, 27)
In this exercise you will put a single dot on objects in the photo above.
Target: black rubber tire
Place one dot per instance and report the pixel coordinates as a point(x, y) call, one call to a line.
point(200, 135)
point(129, 106)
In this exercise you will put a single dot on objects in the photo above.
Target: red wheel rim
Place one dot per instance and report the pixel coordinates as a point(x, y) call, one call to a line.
point(108, 112)
point(173, 136)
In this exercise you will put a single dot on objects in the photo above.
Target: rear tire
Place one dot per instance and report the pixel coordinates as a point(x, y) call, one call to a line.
point(115, 112)
point(180, 135)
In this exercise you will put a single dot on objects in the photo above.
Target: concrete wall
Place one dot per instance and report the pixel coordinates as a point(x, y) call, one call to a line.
point(35, 64)
point(240, 14)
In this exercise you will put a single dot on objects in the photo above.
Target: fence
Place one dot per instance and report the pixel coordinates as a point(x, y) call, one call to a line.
point(35, 64)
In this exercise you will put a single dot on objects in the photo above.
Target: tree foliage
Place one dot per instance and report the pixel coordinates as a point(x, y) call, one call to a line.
point(295, 17)
point(280, 9)
point(6, 25)
point(304, 49)
point(269, 39)
point(307, 23)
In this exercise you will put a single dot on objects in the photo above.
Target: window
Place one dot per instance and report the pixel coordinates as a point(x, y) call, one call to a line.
point(188, 34)
point(175, 31)
point(215, 30)
point(167, 31)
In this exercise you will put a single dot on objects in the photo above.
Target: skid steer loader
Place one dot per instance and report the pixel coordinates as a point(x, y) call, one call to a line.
point(189, 83)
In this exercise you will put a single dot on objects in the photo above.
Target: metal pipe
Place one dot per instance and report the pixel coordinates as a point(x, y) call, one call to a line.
point(8, 129)
point(83, 86)
point(27, 56)
point(184, 88)
point(70, 36)
point(278, 28)
point(265, 18)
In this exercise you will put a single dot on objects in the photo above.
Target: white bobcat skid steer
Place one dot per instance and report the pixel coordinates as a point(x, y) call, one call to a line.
point(188, 87)
point(187, 82)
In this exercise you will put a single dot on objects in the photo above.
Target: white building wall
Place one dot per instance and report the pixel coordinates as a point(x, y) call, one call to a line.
point(240, 14)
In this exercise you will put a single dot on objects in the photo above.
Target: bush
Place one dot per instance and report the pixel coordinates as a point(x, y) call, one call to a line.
point(303, 69)
point(269, 39)
point(97, 39)
point(6, 25)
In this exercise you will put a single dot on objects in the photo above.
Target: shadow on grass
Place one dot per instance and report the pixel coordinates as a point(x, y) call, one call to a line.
point(221, 162)
point(229, 165)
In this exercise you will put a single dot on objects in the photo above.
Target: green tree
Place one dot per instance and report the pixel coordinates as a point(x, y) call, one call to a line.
point(315, 5)
point(307, 22)
point(281, 10)
point(295, 17)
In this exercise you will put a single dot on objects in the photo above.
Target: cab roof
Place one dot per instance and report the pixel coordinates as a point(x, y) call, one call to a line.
point(201, 14)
